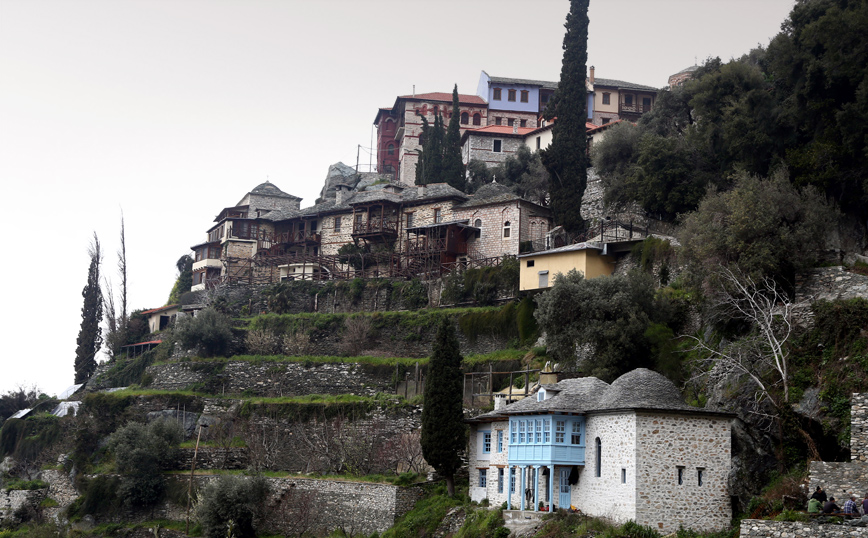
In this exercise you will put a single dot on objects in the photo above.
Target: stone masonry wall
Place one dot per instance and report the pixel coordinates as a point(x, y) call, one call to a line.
point(859, 427)
point(606, 496)
point(830, 283)
point(757, 528)
point(13, 500)
point(665, 442)
point(838, 478)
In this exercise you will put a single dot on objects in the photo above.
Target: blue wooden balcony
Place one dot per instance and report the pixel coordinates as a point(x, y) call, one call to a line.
point(547, 440)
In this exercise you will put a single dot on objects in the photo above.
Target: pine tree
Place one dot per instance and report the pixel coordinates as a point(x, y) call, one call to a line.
point(566, 158)
point(444, 435)
point(453, 168)
point(89, 336)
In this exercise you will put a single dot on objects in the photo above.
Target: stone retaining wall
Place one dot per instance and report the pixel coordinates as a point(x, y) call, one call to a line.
point(756, 528)
point(859, 427)
point(830, 283)
point(11, 501)
point(839, 479)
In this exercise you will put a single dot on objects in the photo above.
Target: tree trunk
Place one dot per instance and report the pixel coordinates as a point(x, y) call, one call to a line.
point(450, 485)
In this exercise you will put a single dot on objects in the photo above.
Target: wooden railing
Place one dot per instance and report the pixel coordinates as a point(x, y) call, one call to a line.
point(390, 227)
point(633, 108)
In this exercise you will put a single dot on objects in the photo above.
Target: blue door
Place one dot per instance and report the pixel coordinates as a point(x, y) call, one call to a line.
point(564, 489)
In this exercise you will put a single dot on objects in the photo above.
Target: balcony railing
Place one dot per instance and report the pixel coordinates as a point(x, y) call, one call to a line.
point(633, 108)
point(376, 227)
point(300, 237)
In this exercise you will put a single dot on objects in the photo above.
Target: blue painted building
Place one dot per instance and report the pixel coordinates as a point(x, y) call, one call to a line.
point(612, 451)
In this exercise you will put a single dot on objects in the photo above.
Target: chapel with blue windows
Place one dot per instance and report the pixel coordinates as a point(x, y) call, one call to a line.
point(607, 450)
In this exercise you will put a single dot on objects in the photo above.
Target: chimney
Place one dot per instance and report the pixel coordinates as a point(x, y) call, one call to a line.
point(339, 194)
point(591, 76)
point(420, 191)
point(515, 127)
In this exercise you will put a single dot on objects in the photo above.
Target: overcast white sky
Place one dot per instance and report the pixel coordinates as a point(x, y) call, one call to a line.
point(171, 110)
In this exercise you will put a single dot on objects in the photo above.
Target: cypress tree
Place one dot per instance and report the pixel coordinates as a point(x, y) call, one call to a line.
point(453, 168)
point(444, 434)
point(566, 158)
point(89, 335)
point(422, 163)
point(429, 168)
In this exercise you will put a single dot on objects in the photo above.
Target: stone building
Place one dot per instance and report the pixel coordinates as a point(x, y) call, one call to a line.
point(632, 450)
point(492, 144)
point(396, 230)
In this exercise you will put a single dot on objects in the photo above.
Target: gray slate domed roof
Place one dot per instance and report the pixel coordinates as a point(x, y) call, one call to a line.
point(642, 389)
point(270, 189)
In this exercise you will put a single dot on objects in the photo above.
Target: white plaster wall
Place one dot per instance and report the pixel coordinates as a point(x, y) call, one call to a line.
point(667, 441)
point(491, 461)
point(605, 496)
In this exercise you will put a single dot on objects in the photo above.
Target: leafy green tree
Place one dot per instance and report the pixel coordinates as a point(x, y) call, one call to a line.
point(453, 167)
point(819, 64)
point(230, 505)
point(141, 453)
point(478, 174)
point(565, 159)
point(89, 335)
point(209, 330)
point(185, 279)
point(766, 227)
point(444, 434)
point(610, 314)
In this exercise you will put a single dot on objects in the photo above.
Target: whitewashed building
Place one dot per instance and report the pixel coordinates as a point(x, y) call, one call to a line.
point(632, 450)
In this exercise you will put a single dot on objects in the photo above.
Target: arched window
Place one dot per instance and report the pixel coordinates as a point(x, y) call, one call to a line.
point(436, 110)
point(477, 223)
point(598, 470)
point(507, 229)
point(477, 119)
point(391, 149)
point(465, 118)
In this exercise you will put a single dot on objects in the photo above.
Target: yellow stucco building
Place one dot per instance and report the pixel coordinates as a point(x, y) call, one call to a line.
point(539, 270)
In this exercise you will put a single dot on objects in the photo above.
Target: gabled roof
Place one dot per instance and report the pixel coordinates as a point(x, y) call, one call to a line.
point(523, 81)
point(495, 193)
point(445, 97)
point(597, 128)
point(622, 85)
point(161, 309)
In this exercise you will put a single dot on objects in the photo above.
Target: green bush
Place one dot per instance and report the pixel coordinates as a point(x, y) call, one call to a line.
point(141, 453)
point(234, 501)
point(209, 330)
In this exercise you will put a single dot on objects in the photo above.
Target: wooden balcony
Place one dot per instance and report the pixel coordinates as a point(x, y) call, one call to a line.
point(374, 229)
point(635, 109)
point(268, 240)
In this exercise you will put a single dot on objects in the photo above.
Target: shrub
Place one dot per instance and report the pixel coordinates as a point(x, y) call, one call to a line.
point(357, 333)
point(234, 501)
point(141, 453)
point(209, 330)
point(262, 343)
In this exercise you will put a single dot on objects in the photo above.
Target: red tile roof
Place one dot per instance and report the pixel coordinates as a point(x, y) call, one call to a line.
point(446, 97)
point(500, 129)
point(144, 343)
point(155, 310)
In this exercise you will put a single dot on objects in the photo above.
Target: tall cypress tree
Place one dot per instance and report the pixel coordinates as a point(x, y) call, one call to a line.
point(444, 434)
point(453, 168)
point(89, 335)
point(566, 158)
point(429, 168)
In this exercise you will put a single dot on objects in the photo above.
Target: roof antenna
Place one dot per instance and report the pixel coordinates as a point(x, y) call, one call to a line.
point(414, 90)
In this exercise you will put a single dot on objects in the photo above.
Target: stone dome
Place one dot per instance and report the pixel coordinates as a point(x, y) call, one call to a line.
point(642, 389)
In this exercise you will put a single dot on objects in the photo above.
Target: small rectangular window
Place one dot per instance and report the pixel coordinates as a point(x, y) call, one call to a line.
point(547, 431)
point(680, 476)
point(438, 215)
point(500, 441)
point(486, 442)
point(538, 431)
point(409, 220)
point(523, 123)
point(496, 94)
point(606, 98)
point(337, 225)
point(700, 475)
point(538, 141)
point(560, 430)
point(510, 122)
point(530, 263)
point(543, 279)
point(510, 95)
point(512, 480)
point(521, 432)
point(483, 475)
point(623, 476)
point(524, 95)
point(500, 479)
point(576, 437)
point(512, 428)
point(498, 120)
point(628, 99)
point(497, 146)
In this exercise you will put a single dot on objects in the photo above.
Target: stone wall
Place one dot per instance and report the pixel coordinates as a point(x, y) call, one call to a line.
point(756, 528)
point(274, 378)
point(605, 495)
point(859, 427)
point(830, 283)
point(838, 478)
point(666, 442)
